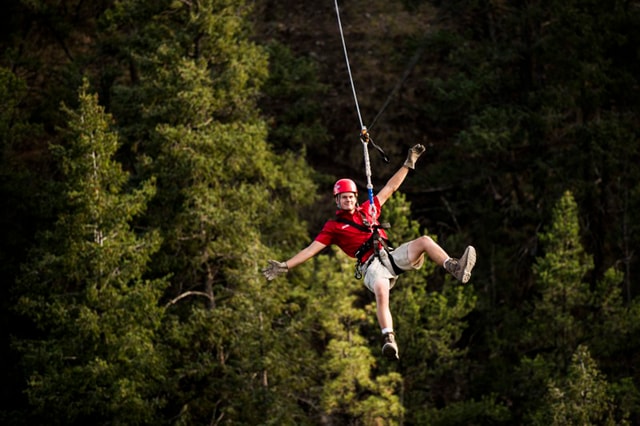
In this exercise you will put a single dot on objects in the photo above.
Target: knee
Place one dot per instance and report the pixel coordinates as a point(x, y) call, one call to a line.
point(426, 241)
point(382, 290)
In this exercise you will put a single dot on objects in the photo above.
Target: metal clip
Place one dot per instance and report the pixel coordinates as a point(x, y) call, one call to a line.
point(364, 135)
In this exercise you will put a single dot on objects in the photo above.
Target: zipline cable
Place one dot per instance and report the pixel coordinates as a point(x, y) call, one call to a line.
point(364, 134)
point(412, 63)
point(346, 58)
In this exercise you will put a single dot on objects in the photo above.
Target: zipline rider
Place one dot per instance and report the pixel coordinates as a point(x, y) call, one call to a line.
point(357, 232)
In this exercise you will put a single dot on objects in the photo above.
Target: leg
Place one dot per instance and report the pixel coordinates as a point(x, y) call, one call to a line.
point(382, 304)
point(459, 268)
point(425, 244)
point(389, 348)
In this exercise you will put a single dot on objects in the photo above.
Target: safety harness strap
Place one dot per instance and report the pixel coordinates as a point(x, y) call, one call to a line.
point(373, 243)
point(374, 238)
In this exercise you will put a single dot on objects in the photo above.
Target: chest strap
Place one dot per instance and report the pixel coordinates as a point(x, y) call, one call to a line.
point(374, 242)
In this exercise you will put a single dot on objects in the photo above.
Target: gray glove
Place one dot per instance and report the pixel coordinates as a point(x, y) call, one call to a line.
point(412, 157)
point(275, 269)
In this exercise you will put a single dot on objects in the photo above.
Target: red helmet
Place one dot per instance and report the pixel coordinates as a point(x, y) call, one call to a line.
point(344, 185)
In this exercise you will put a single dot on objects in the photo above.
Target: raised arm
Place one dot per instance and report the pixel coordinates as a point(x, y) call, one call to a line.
point(396, 180)
point(275, 268)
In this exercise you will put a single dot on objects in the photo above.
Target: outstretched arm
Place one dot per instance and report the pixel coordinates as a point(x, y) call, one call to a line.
point(305, 254)
point(396, 180)
point(276, 268)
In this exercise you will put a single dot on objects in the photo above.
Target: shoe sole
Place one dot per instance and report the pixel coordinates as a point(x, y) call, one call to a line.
point(390, 352)
point(469, 259)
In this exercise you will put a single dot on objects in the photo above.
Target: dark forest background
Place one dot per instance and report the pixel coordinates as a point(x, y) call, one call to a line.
point(154, 155)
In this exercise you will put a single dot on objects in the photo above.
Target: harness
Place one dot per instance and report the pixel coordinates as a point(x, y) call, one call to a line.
point(375, 242)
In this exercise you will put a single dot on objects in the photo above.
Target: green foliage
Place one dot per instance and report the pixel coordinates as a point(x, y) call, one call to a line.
point(581, 398)
point(468, 412)
point(557, 317)
point(214, 168)
point(522, 95)
point(93, 348)
point(16, 177)
point(429, 323)
point(221, 195)
point(337, 372)
point(351, 387)
point(25, 190)
point(291, 97)
point(568, 313)
point(526, 102)
point(616, 323)
point(12, 89)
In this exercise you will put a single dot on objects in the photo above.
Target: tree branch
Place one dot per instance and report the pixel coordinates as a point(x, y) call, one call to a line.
point(187, 294)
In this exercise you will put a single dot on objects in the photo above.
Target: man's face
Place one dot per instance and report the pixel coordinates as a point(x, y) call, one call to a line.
point(347, 201)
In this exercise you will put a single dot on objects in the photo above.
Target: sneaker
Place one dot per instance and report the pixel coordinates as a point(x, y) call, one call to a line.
point(390, 348)
point(461, 268)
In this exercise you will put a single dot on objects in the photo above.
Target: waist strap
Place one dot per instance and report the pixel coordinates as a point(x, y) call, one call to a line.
point(362, 267)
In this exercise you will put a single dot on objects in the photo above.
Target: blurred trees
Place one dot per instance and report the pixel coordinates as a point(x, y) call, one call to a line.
point(199, 139)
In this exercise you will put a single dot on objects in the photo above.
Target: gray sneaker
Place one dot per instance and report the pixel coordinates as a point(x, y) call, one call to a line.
point(461, 268)
point(390, 348)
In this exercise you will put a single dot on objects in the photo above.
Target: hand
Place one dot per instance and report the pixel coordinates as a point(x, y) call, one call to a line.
point(275, 269)
point(414, 154)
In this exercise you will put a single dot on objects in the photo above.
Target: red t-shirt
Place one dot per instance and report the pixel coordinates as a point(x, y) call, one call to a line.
point(348, 237)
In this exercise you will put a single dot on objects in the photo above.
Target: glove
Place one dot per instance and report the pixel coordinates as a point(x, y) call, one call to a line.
point(414, 154)
point(275, 269)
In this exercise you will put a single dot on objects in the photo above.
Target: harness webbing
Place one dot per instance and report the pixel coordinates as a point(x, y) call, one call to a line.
point(375, 242)
point(364, 137)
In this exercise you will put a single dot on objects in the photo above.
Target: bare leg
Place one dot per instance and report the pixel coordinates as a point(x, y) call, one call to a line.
point(382, 304)
point(389, 348)
point(425, 244)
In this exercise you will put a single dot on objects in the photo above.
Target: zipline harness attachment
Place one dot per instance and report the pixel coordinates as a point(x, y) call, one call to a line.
point(376, 241)
point(365, 138)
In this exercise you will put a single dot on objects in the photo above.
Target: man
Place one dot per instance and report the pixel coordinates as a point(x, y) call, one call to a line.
point(357, 232)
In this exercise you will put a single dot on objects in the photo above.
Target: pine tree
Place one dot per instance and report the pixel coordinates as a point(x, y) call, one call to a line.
point(555, 325)
point(567, 315)
point(223, 198)
point(561, 272)
point(92, 356)
point(581, 398)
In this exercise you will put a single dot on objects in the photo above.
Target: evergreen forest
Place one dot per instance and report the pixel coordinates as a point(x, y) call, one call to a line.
point(155, 154)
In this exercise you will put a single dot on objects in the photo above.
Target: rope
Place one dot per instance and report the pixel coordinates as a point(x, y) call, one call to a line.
point(412, 63)
point(364, 135)
point(364, 138)
point(346, 57)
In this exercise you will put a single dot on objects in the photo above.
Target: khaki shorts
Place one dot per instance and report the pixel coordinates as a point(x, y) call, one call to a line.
point(381, 269)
